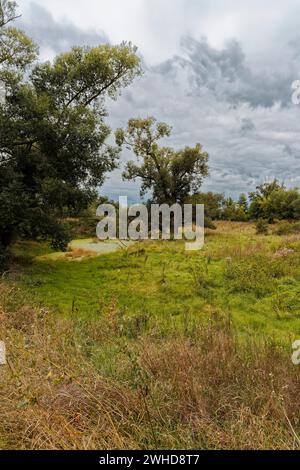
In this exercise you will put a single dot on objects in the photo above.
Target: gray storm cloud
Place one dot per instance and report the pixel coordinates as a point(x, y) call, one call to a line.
point(53, 36)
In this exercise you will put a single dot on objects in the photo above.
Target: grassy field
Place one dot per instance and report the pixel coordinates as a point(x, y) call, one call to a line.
point(253, 279)
point(153, 346)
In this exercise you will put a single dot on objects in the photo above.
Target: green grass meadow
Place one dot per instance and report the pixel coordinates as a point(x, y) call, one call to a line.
point(253, 279)
point(153, 347)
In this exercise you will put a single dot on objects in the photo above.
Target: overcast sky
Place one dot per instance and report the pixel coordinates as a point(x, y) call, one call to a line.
point(220, 72)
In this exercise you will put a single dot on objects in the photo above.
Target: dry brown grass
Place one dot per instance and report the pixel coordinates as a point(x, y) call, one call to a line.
point(225, 226)
point(238, 251)
point(192, 390)
point(79, 253)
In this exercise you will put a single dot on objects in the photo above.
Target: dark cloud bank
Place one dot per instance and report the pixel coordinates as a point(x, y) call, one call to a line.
point(240, 112)
point(55, 37)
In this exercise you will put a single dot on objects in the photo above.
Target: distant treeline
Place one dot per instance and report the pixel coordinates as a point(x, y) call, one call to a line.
point(270, 202)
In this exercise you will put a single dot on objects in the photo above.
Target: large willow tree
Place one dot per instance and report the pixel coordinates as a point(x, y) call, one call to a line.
point(53, 136)
point(170, 175)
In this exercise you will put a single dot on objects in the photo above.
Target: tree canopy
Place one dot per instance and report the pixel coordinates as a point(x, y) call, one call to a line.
point(171, 175)
point(17, 50)
point(53, 136)
point(273, 201)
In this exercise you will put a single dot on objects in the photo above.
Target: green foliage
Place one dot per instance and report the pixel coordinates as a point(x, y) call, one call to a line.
point(235, 211)
point(235, 273)
point(212, 206)
point(53, 138)
point(243, 202)
point(170, 175)
point(287, 228)
point(85, 74)
point(270, 202)
point(60, 237)
point(262, 227)
point(17, 50)
point(273, 201)
point(3, 258)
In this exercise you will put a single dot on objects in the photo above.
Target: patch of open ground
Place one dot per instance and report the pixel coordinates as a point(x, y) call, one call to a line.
point(85, 248)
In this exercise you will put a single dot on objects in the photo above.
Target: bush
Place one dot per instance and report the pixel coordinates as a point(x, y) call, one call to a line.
point(3, 258)
point(262, 227)
point(287, 228)
point(274, 201)
point(296, 227)
point(60, 238)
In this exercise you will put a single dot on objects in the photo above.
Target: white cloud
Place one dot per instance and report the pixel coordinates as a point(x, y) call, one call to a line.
point(156, 26)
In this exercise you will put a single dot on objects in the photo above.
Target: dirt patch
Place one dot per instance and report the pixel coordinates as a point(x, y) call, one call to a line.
point(87, 248)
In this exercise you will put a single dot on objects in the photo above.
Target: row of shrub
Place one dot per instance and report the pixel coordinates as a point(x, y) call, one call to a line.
point(270, 202)
point(284, 228)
